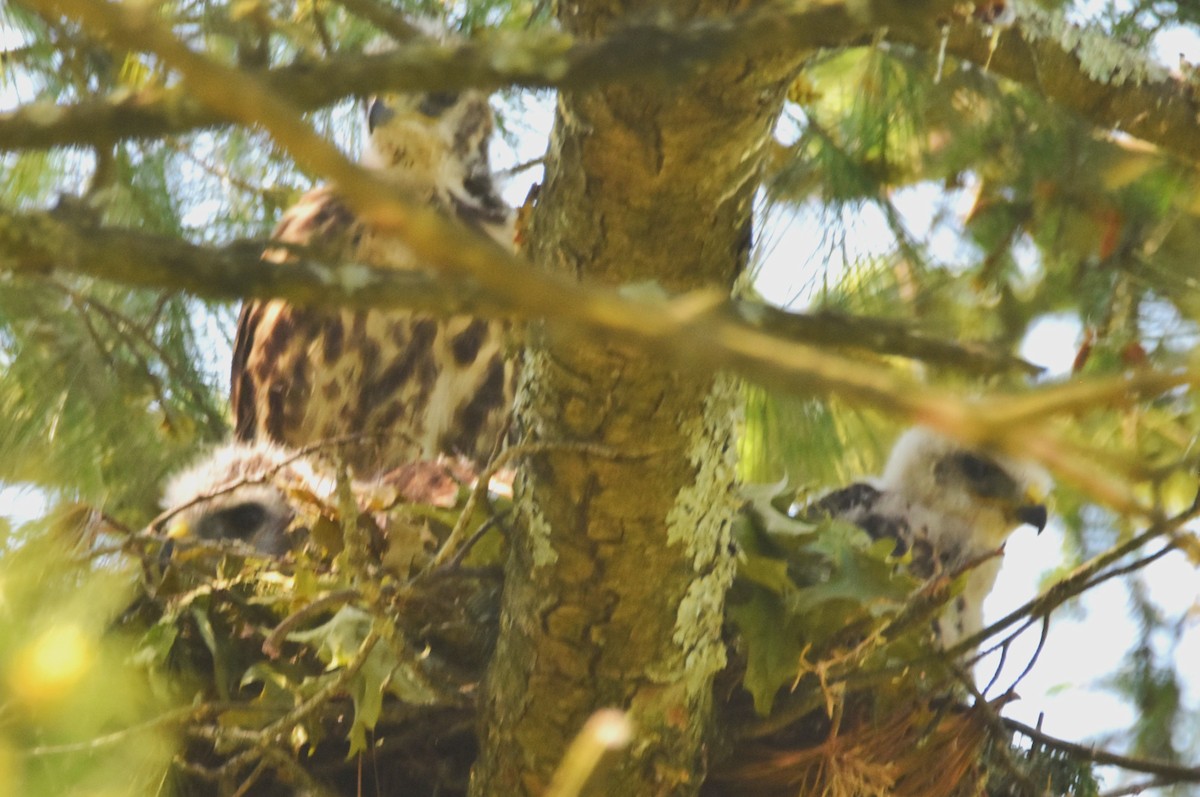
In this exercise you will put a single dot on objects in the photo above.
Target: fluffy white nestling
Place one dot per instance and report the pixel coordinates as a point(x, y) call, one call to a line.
point(949, 506)
point(239, 491)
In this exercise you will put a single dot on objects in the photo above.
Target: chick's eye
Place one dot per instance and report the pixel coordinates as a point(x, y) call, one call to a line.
point(238, 522)
point(977, 468)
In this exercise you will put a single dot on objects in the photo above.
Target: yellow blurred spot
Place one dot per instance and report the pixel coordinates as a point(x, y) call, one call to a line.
point(50, 666)
point(10, 775)
point(179, 530)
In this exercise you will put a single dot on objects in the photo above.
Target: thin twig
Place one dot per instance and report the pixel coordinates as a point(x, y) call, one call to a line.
point(999, 665)
point(259, 770)
point(271, 645)
point(999, 732)
point(386, 18)
point(1174, 772)
point(517, 168)
point(483, 529)
point(306, 783)
point(182, 715)
point(1138, 788)
point(133, 334)
point(1083, 577)
point(1037, 652)
point(447, 553)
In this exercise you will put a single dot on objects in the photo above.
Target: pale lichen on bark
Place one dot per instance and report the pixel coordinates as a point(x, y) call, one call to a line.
point(527, 408)
point(714, 456)
point(1103, 58)
point(701, 519)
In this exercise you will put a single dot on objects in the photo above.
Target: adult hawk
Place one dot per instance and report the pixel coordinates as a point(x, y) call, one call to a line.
point(404, 385)
point(949, 506)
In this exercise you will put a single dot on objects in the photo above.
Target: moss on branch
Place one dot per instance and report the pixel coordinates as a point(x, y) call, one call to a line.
point(1083, 70)
point(657, 50)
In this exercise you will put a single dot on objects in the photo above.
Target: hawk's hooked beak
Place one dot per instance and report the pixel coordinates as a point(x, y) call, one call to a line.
point(378, 113)
point(1033, 511)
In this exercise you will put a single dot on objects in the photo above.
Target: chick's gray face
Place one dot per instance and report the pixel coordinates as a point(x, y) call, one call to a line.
point(239, 522)
point(258, 518)
point(258, 521)
point(240, 492)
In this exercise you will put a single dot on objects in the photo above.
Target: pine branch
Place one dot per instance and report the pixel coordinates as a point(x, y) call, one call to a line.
point(698, 328)
point(1086, 71)
point(881, 336)
point(1169, 773)
point(1083, 70)
point(644, 51)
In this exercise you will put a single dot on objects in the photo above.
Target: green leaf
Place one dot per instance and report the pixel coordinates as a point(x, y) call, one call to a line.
point(774, 645)
point(156, 644)
point(339, 642)
point(863, 571)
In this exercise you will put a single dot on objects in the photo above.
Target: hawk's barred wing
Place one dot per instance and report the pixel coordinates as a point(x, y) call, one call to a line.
point(864, 505)
point(266, 330)
point(391, 386)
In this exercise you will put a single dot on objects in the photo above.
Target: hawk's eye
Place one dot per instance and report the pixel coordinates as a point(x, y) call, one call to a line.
point(436, 103)
point(240, 522)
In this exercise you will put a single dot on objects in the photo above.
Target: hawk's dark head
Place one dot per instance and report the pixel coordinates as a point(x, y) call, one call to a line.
point(429, 138)
point(435, 144)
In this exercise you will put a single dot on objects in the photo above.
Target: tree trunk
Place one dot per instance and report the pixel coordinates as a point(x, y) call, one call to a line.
point(617, 576)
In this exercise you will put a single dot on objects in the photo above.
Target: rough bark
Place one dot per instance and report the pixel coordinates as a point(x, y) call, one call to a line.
point(616, 581)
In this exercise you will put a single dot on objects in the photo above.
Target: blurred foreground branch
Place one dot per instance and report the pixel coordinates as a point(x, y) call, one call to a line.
point(64, 241)
point(651, 50)
point(773, 348)
point(694, 328)
point(1084, 70)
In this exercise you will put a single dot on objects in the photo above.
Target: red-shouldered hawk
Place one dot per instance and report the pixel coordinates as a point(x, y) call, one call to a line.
point(948, 506)
point(406, 385)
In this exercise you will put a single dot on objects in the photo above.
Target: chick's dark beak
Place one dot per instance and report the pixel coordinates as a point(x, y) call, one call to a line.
point(1033, 514)
point(378, 113)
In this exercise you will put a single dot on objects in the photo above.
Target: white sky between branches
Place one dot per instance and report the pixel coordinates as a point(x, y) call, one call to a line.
point(1066, 689)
